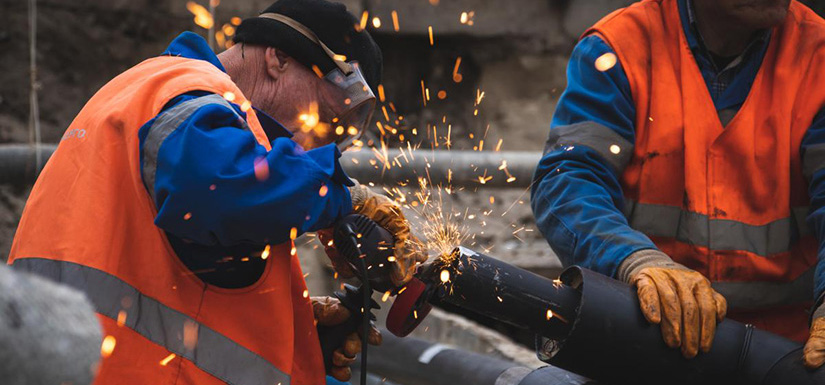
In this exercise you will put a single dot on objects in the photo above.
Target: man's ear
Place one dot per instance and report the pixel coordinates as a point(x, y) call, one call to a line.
point(276, 62)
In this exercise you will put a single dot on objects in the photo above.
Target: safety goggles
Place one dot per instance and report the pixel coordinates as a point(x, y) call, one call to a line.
point(354, 98)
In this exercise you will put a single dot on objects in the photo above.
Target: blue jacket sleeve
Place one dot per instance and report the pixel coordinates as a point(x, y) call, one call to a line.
point(576, 195)
point(215, 185)
point(812, 150)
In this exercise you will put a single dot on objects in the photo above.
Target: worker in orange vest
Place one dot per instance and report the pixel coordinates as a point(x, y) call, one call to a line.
point(175, 201)
point(684, 157)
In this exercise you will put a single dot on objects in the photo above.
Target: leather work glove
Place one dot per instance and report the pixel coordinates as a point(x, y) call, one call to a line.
point(388, 215)
point(813, 355)
point(679, 299)
point(329, 311)
point(339, 264)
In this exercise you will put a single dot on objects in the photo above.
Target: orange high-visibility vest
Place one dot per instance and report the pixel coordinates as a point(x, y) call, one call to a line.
point(89, 223)
point(729, 202)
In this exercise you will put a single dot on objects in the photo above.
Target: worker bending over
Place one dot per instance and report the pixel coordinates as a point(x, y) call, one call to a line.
point(175, 208)
point(684, 157)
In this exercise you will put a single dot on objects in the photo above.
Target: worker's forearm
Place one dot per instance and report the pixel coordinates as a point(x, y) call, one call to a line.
point(575, 198)
point(220, 186)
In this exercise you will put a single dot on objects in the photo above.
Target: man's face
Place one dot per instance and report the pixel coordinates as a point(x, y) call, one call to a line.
point(306, 105)
point(755, 14)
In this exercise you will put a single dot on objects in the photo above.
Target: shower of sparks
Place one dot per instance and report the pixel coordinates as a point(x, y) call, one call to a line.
point(442, 231)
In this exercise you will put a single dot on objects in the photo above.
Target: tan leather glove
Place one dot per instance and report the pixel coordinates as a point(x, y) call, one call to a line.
point(328, 311)
point(814, 353)
point(388, 215)
point(679, 299)
point(339, 264)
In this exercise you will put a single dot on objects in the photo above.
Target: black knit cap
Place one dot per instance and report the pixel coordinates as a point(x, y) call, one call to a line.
point(333, 25)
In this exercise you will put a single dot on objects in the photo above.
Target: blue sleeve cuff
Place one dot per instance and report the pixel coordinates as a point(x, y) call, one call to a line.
point(328, 159)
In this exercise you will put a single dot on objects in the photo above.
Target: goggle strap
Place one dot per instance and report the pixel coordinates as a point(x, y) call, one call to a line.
point(345, 67)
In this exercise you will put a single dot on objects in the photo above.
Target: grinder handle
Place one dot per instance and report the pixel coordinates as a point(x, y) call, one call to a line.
point(333, 337)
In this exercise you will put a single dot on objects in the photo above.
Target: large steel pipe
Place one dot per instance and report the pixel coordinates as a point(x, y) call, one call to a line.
point(18, 162)
point(413, 361)
point(18, 165)
point(440, 167)
point(591, 325)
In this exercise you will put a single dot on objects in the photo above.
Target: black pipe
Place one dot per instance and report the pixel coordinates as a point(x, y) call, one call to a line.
point(485, 285)
point(413, 361)
point(606, 337)
point(18, 162)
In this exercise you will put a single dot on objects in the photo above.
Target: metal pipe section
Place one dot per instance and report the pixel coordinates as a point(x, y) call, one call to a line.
point(18, 162)
point(498, 290)
point(456, 168)
point(440, 167)
point(597, 330)
point(413, 361)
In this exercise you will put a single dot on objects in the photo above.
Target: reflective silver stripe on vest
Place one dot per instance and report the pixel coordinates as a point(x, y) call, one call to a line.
point(753, 295)
point(611, 146)
point(213, 353)
point(717, 234)
point(813, 160)
point(165, 124)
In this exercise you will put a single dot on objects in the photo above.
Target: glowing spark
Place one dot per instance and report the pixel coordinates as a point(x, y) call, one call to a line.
point(391, 258)
point(202, 16)
point(457, 77)
point(293, 233)
point(306, 293)
point(498, 145)
point(499, 299)
point(187, 216)
point(294, 250)
point(364, 17)
point(415, 314)
point(445, 276)
point(549, 314)
point(261, 168)
point(228, 95)
point(340, 131)
point(385, 296)
point(376, 22)
point(235, 21)
point(430, 29)
point(606, 61)
point(190, 334)
point(168, 358)
point(423, 93)
point(317, 71)
point(121, 318)
point(442, 94)
point(337, 57)
point(381, 92)
point(615, 149)
point(323, 191)
point(107, 347)
point(246, 105)
point(395, 21)
point(265, 253)
point(492, 199)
